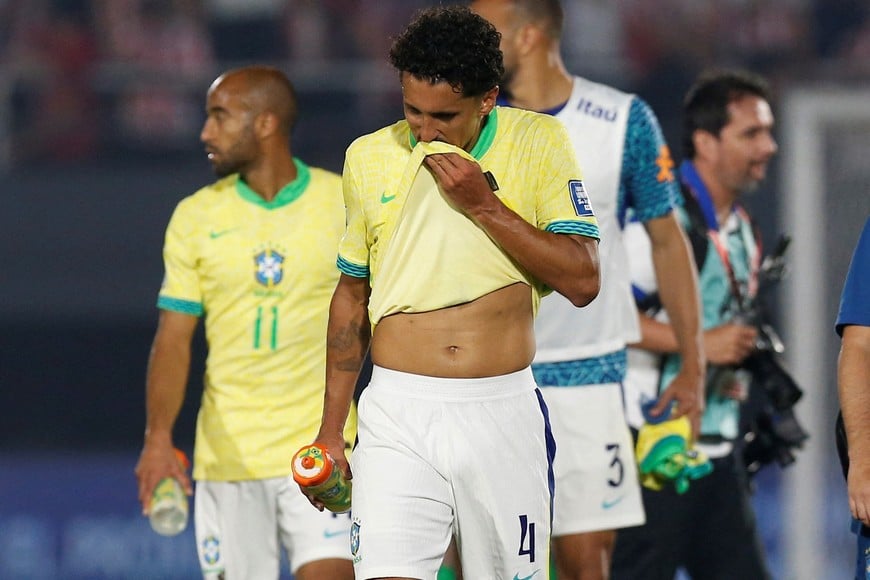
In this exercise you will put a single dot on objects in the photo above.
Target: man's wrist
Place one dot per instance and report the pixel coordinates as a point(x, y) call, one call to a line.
point(155, 436)
point(693, 365)
point(331, 429)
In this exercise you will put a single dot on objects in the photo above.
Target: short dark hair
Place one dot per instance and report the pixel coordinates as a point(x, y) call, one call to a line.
point(268, 89)
point(549, 13)
point(705, 107)
point(450, 44)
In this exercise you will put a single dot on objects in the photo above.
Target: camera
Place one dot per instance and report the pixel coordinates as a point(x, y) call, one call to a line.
point(771, 431)
point(773, 437)
point(769, 373)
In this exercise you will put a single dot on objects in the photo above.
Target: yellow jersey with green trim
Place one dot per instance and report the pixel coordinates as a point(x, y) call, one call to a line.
point(262, 274)
point(419, 252)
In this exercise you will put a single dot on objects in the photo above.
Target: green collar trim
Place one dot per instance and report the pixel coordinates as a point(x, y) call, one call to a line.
point(484, 140)
point(287, 195)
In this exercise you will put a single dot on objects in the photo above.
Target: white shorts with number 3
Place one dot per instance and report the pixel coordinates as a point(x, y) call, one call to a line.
point(597, 485)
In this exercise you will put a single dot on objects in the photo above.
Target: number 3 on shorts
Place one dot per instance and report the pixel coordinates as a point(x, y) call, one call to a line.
point(527, 535)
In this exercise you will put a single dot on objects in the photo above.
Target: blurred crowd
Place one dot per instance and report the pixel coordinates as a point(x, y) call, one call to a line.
point(80, 78)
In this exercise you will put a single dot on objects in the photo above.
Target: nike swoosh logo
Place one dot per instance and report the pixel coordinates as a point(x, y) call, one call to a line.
point(529, 577)
point(333, 533)
point(215, 235)
point(387, 198)
point(609, 504)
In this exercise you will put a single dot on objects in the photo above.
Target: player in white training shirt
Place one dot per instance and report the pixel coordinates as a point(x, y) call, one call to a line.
point(581, 356)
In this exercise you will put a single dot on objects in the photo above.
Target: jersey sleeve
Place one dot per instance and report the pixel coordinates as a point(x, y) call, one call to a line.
point(563, 204)
point(353, 250)
point(180, 291)
point(855, 300)
point(647, 167)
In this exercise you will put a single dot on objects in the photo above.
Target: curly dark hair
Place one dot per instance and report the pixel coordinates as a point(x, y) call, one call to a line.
point(450, 44)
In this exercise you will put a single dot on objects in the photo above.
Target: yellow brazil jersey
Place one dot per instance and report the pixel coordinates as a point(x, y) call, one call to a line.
point(262, 274)
point(535, 174)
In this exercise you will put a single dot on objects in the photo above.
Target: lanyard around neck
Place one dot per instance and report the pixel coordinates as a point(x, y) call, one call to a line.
point(699, 191)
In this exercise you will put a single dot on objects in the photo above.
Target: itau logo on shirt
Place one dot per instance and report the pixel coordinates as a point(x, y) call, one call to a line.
point(582, 207)
point(269, 264)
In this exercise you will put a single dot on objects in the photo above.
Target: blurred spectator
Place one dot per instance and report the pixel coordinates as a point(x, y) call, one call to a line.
point(856, 51)
point(768, 36)
point(48, 59)
point(593, 41)
point(834, 22)
point(346, 29)
point(246, 31)
point(164, 54)
point(307, 30)
point(853, 48)
point(664, 57)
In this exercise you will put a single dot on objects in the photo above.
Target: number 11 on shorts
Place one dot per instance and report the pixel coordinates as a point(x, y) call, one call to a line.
point(527, 537)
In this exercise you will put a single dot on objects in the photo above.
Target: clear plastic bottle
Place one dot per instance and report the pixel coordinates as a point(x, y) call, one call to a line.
point(168, 511)
point(315, 470)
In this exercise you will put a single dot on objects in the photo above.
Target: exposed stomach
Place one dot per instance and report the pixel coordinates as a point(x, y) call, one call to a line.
point(492, 335)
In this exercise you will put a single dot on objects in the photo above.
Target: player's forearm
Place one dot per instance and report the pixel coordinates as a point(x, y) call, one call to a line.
point(347, 340)
point(566, 263)
point(658, 337)
point(853, 374)
point(678, 288)
point(168, 370)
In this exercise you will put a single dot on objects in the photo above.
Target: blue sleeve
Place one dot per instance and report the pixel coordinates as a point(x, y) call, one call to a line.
point(647, 184)
point(855, 301)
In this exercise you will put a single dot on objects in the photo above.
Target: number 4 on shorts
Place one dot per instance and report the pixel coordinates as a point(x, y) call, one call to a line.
point(527, 530)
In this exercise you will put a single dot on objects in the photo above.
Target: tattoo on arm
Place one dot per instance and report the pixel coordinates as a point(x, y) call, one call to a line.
point(348, 345)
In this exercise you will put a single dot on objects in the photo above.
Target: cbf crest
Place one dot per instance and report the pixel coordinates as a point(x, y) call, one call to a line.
point(354, 539)
point(211, 550)
point(269, 264)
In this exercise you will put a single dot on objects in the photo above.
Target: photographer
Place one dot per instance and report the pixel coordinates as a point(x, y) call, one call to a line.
point(709, 529)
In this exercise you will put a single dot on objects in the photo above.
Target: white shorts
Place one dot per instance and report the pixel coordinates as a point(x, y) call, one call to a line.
point(471, 456)
point(641, 383)
point(597, 485)
point(239, 524)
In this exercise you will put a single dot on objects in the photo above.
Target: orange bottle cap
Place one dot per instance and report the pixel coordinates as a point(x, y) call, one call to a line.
point(182, 458)
point(311, 466)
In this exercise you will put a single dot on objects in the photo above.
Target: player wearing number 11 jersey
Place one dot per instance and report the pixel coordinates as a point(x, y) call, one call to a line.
point(254, 255)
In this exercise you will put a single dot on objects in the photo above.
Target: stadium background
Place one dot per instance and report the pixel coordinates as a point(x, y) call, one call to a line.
point(100, 108)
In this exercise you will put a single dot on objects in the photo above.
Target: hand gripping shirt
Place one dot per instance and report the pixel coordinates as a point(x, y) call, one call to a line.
point(419, 252)
point(262, 274)
point(627, 164)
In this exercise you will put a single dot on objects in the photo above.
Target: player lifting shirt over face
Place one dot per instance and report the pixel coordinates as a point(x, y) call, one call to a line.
point(459, 218)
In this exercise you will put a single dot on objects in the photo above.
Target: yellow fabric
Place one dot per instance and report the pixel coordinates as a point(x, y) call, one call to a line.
point(263, 275)
point(531, 158)
point(664, 455)
point(457, 263)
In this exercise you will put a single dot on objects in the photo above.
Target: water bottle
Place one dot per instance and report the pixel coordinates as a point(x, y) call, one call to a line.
point(168, 510)
point(315, 470)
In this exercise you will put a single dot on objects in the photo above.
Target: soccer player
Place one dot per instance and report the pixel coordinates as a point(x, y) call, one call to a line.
point(254, 254)
point(459, 217)
point(581, 353)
